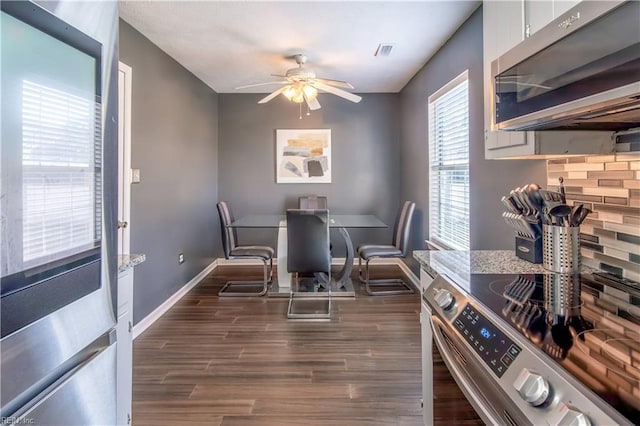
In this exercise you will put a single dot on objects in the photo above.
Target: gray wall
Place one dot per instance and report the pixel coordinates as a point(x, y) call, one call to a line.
point(175, 145)
point(365, 159)
point(490, 179)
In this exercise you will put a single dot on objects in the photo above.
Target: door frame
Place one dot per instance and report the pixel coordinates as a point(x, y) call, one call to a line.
point(124, 156)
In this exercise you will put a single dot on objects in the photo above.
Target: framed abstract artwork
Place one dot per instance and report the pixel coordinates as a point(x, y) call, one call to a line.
point(303, 156)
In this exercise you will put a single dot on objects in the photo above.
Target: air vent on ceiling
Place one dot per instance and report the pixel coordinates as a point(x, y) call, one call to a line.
point(384, 49)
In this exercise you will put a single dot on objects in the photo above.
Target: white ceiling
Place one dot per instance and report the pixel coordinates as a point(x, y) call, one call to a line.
point(233, 43)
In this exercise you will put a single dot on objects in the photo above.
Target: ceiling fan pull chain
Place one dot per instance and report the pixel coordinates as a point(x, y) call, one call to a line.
point(308, 110)
point(300, 105)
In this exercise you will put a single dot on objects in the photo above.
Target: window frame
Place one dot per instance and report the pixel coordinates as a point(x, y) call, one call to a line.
point(435, 233)
point(37, 101)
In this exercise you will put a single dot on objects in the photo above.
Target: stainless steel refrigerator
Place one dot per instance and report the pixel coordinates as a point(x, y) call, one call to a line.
point(57, 344)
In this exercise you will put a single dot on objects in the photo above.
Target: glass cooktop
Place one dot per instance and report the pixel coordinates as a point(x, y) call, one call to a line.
point(588, 324)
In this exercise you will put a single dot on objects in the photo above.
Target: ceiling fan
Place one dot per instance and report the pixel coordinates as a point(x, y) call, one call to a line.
point(301, 85)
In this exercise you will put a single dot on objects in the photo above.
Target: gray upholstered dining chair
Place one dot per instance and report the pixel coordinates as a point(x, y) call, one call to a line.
point(234, 251)
point(398, 249)
point(313, 202)
point(309, 260)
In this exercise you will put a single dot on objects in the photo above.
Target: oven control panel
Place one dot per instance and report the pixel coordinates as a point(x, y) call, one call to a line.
point(493, 346)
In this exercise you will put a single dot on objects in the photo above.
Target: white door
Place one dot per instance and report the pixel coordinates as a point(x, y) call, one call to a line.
point(124, 157)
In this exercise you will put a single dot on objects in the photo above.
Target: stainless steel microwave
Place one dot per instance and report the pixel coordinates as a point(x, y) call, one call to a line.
point(580, 72)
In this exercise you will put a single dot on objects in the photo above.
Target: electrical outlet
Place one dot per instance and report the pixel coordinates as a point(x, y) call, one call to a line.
point(180, 257)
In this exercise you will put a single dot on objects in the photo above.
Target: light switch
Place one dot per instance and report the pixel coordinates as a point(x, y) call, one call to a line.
point(135, 175)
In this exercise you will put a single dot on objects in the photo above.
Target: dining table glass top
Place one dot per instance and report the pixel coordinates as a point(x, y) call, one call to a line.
point(335, 221)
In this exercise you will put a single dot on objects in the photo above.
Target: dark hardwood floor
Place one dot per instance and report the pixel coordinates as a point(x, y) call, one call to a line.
point(239, 361)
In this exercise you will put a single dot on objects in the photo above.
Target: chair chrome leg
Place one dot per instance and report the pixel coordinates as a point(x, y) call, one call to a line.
point(395, 285)
point(267, 274)
point(270, 270)
point(308, 296)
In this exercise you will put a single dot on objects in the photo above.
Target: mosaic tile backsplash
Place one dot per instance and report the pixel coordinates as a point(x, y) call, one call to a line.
point(610, 186)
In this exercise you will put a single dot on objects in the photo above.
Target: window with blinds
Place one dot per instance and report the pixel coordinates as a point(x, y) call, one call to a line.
point(61, 160)
point(449, 164)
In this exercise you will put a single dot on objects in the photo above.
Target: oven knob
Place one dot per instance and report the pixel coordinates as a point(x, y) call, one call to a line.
point(444, 299)
point(568, 416)
point(532, 387)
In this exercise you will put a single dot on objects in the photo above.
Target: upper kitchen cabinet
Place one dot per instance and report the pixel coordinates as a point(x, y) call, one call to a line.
point(538, 13)
point(561, 6)
point(503, 28)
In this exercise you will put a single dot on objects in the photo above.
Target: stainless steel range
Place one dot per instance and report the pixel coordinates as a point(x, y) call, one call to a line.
point(540, 349)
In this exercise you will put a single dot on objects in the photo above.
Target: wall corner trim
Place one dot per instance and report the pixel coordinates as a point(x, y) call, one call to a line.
point(147, 321)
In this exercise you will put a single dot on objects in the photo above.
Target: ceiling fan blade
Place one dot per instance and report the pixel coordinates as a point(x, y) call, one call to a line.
point(261, 84)
point(312, 103)
point(271, 95)
point(278, 75)
point(338, 83)
point(335, 91)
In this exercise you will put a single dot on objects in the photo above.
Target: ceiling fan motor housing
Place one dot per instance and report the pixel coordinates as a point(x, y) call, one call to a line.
point(298, 74)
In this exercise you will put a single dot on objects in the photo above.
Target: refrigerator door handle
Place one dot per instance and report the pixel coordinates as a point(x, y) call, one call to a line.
point(85, 395)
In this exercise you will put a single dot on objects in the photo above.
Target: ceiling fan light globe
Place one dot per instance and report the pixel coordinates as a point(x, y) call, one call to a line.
point(310, 91)
point(289, 92)
point(298, 97)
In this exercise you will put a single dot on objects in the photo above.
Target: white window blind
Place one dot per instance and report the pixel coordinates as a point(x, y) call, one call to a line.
point(60, 173)
point(449, 164)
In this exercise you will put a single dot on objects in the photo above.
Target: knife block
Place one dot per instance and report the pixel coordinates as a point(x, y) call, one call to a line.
point(529, 249)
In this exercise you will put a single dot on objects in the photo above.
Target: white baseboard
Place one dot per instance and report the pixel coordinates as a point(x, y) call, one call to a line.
point(146, 322)
point(334, 261)
point(241, 262)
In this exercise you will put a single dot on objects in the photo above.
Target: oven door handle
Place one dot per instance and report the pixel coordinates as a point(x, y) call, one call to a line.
point(468, 388)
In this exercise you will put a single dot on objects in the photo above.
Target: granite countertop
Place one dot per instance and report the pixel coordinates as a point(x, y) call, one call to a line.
point(460, 264)
point(128, 261)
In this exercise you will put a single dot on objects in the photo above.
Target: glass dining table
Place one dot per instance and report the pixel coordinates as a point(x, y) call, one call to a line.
point(341, 284)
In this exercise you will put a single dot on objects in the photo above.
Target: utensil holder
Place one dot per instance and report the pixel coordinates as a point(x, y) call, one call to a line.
point(561, 248)
point(562, 294)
